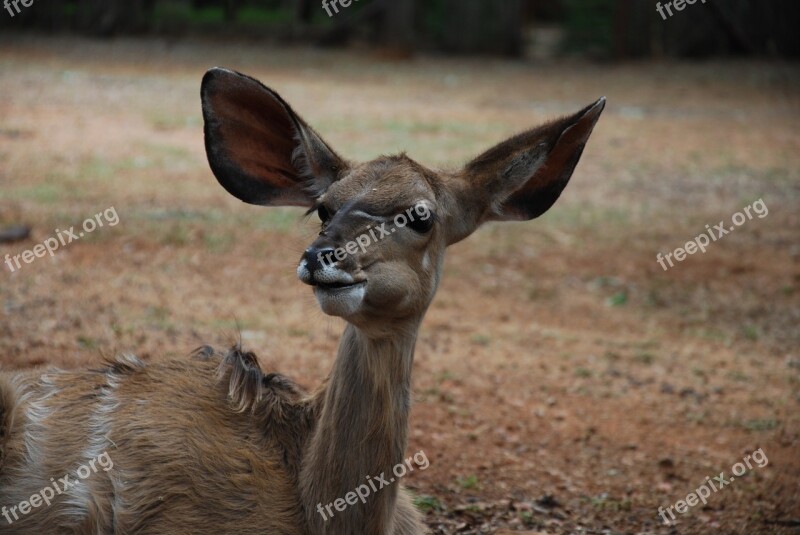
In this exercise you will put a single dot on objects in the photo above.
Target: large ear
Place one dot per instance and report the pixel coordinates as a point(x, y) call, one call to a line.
point(522, 177)
point(259, 149)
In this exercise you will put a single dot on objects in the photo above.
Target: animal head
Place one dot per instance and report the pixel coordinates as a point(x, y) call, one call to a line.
point(384, 224)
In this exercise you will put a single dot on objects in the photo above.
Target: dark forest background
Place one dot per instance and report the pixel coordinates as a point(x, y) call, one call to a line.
point(600, 29)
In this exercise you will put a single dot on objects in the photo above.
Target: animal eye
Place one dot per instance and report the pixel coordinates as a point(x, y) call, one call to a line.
point(323, 214)
point(421, 226)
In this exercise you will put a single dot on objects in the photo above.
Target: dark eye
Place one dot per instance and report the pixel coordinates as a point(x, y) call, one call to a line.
point(323, 214)
point(422, 226)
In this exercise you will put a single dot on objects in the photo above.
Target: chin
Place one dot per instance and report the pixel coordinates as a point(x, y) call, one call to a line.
point(341, 302)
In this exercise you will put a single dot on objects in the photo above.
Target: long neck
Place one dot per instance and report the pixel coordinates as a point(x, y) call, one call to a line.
point(361, 434)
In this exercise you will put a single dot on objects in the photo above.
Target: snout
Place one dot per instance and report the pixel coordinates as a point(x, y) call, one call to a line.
point(338, 292)
point(320, 267)
point(313, 261)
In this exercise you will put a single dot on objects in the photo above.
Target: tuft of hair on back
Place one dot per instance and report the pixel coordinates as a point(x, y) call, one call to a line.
point(239, 369)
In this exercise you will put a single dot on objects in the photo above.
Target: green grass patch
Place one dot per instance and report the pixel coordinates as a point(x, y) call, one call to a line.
point(469, 482)
point(765, 424)
point(427, 503)
point(45, 193)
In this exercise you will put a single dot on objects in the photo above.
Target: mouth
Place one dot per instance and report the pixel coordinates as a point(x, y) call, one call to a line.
point(336, 287)
point(338, 292)
point(340, 298)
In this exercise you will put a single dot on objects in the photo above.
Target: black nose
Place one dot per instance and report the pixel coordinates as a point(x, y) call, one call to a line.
point(318, 258)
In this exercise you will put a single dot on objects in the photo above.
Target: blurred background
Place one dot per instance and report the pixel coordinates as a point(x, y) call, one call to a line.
point(564, 382)
point(602, 29)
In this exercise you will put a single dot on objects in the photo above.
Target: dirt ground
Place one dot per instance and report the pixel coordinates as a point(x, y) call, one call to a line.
point(564, 382)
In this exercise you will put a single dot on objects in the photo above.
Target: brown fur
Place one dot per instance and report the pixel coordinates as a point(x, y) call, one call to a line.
point(187, 458)
point(211, 444)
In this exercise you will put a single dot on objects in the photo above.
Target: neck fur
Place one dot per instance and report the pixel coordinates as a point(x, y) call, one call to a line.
point(362, 431)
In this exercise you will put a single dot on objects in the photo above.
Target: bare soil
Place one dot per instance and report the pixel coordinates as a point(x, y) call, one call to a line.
point(564, 382)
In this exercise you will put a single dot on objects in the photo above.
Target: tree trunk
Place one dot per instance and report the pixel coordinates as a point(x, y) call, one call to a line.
point(483, 26)
point(108, 17)
point(231, 8)
point(398, 23)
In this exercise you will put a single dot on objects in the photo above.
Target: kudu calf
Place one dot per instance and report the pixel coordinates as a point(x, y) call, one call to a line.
point(211, 444)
